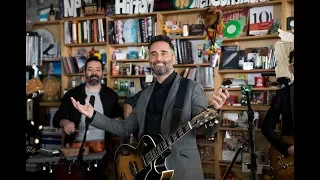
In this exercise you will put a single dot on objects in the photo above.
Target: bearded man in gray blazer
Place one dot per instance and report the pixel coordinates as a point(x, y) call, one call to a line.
point(153, 113)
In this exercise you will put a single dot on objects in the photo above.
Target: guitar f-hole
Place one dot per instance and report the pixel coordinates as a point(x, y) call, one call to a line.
point(133, 168)
point(122, 177)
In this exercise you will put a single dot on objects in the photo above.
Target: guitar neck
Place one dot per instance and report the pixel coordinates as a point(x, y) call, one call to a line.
point(166, 144)
point(205, 116)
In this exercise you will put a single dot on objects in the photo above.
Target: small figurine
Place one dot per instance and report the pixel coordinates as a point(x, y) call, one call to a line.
point(142, 70)
point(136, 70)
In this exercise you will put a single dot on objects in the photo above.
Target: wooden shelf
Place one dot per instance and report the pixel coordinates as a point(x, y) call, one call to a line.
point(207, 162)
point(191, 65)
point(244, 108)
point(245, 71)
point(131, 76)
point(86, 44)
point(55, 22)
point(128, 16)
point(131, 60)
point(84, 18)
point(254, 89)
point(128, 45)
point(51, 59)
point(251, 38)
point(54, 104)
point(188, 37)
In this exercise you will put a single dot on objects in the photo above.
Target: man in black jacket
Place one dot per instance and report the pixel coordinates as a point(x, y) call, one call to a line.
point(71, 120)
point(282, 104)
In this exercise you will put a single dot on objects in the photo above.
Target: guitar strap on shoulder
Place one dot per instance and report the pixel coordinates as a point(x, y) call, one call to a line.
point(177, 109)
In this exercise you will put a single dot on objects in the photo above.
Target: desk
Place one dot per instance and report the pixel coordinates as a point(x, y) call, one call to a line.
point(63, 168)
point(36, 159)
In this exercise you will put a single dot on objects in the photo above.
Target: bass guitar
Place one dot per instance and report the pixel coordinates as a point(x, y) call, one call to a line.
point(145, 159)
point(282, 167)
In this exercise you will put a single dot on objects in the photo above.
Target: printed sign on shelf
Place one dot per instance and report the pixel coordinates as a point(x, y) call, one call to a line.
point(133, 6)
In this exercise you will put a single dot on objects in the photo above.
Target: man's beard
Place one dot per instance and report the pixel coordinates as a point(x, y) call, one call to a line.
point(93, 79)
point(163, 70)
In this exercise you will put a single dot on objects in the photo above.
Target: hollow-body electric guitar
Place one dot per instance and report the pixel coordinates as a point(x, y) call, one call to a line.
point(282, 167)
point(146, 159)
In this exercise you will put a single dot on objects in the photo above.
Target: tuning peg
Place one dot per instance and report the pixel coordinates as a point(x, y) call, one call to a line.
point(96, 164)
point(216, 121)
point(44, 167)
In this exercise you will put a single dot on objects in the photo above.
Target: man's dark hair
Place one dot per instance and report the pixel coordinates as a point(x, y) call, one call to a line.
point(161, 38)
point(92, 58)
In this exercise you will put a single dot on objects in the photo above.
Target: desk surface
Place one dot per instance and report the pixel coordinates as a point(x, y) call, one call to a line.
point(45, 159)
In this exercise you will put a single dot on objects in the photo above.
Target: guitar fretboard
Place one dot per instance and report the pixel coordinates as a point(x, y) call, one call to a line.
point(166, 144)
point(203, 117)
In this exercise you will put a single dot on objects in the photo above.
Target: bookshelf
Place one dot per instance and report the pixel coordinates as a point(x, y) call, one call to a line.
point(282, 10)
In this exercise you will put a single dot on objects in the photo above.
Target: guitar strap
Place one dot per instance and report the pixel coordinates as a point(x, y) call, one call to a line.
point(177, 109)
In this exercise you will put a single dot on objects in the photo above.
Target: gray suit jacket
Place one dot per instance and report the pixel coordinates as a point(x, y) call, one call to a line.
point(184, 158)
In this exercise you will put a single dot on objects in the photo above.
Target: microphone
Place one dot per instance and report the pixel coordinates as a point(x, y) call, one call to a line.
point(91, 101)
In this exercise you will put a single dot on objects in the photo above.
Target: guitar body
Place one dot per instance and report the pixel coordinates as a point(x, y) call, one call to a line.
point(283, 167)
point(130, 164)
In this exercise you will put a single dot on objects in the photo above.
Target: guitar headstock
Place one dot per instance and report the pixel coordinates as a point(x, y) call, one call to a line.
point(207, 115)
point(34, 86)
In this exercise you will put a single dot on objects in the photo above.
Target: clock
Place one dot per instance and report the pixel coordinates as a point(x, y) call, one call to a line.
point(49, 46)
point(290, 23)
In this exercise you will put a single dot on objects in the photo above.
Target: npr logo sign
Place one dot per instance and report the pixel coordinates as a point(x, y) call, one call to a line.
point(133, 6)
point(71, 8)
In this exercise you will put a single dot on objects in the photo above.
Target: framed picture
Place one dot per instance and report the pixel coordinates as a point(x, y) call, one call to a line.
point(257, 98)
point(51, 88)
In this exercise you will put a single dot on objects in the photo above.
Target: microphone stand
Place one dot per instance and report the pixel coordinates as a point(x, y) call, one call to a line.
point(253, 165)
point(81, 150)
point(253, 168)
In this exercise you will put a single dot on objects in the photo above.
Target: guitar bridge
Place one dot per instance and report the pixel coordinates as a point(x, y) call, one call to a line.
point(281, 164)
